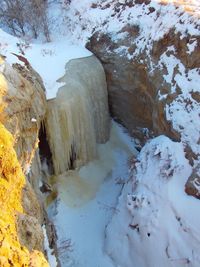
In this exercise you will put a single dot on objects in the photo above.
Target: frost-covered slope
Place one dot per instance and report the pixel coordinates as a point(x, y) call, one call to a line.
point(158, 224)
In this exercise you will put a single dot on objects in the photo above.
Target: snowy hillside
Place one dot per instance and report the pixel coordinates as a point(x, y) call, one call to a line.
point(158, 224)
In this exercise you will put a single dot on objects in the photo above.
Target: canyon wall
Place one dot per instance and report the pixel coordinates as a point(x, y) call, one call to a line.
point(16, 248)
point(152, 65)
point(22, 241)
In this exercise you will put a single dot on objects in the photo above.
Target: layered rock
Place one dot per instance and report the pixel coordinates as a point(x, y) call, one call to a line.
point(12, 251)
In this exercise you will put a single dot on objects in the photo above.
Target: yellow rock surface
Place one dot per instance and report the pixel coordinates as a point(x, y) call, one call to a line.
point(12, 180)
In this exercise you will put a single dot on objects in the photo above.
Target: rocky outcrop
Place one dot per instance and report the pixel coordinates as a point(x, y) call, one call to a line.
point(133, 91)
point(25, 109)
point(30, 233)
point(23, 100)
point(12, 251)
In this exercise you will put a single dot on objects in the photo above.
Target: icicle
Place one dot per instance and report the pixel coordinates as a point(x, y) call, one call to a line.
point(78, 118)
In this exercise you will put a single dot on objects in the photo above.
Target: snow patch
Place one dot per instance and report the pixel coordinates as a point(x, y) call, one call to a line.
point(50, 253)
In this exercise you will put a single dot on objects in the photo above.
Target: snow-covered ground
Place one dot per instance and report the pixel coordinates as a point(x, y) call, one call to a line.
point(86, 203)
point(154, 19)
point(48, 59)
point(158, 223)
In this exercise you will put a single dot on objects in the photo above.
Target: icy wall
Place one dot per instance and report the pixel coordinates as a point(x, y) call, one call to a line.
point(78, 118)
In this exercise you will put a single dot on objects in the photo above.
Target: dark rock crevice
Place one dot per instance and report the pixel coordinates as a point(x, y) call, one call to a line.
point(44, 149)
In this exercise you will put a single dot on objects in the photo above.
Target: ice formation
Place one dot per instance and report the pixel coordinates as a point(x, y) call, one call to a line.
point(78, 118)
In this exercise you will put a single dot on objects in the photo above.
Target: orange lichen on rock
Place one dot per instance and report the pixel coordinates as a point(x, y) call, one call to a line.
point(11, 183)
point(12, 180)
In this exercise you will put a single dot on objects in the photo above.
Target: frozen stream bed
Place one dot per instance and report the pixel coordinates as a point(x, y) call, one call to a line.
point(87, 200)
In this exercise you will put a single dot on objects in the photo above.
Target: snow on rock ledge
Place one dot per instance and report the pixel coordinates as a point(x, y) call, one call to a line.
point(156, 225)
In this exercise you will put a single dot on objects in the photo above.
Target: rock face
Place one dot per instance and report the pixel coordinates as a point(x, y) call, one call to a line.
point(25, 108)
point(133, 91)
point(78, 118)
point(23, 101)
point(152, 71)
point(12, 251)
point(30, 232)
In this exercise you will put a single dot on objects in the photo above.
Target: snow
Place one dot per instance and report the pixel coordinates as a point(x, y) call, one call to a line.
point(155, 224)
point(183, 111)
point(85, 205)
point(103, 17)
point(52, 60)
point(51, 258)
point(187, 80)
point(191, 46)
point(48, 59)
point(33, 120)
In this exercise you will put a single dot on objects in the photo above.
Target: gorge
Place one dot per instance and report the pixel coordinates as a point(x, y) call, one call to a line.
point(85, 191)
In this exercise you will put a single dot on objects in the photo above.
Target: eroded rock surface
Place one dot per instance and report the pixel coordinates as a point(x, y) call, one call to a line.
point(25, 109)
point(133, 91)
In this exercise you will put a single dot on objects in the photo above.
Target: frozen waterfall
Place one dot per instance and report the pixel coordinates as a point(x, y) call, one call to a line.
point(78, 118)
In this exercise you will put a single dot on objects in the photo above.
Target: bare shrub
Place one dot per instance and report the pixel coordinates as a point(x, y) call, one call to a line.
point(23, 17)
